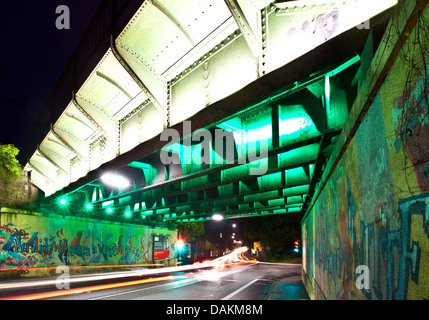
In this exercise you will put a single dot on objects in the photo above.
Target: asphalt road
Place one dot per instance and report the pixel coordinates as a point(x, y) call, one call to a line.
point(241, 282)
point(231, 278)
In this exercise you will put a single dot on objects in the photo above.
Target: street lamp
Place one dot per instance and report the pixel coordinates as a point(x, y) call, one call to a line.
point(115, 180)
point(217, 217)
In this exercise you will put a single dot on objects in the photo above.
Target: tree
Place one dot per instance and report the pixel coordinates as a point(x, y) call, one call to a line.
point(10, 172)
point(191, 230)
point(8, 161)
point(275, 231)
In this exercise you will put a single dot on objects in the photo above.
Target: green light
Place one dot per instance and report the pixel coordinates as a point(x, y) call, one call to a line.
point(109, 210)
point(89, 206)
point(128, 214)
point(292, 125)
point(63, 201)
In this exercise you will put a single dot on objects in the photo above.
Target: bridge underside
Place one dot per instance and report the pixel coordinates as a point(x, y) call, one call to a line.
point(246, 142)
point(280, 146)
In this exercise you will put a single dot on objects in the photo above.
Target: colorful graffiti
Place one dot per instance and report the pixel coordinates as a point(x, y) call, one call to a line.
point(393, 252)
point(411, 120)
point(374, 209)
point(74, 243)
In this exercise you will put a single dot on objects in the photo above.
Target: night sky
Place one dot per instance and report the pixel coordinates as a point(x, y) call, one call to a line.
point(34, 53)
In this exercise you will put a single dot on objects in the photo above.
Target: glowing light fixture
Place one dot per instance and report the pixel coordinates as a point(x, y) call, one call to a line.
point(292, 125)
point(115, 180)
point(89, 206)
point(217, 217)
point(179, 244)
point(128, 214)
point(63, 201)
point(109, 210)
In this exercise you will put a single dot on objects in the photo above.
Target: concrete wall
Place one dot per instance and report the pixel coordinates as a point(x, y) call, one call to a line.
point(372, 208)
point(18, 192)
point(40, 244)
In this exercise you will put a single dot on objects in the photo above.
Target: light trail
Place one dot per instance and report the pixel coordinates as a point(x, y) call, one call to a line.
point(104, 276)
point(59, 293)
point(235, 259)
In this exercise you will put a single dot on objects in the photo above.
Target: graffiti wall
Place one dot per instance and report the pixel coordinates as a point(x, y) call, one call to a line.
point(31, 241)
point(374, 210)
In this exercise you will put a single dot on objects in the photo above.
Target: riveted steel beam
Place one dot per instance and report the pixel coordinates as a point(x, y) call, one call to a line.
point(51, 161)
point(171, 17)
point(66, 145)
point(33, 167)
point(133, 75)
point(72, 116)
point(113, 82)
point(87, 115)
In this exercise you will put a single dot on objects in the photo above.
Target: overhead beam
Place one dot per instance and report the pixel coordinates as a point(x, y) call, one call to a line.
point(66, 144)
point(40, 172)
point(113, 82)
point(51, 161)
point(282, 192)
point(210, 204)
point(219, 168)
point(72, 116)
point(133, 75)
point(171, 17)
point(87, 115)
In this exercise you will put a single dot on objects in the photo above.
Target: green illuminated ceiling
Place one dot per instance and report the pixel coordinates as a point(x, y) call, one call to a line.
point(298, 135)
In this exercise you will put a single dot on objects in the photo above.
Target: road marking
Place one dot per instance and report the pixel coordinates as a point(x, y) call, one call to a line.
point(239, 290)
